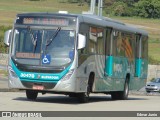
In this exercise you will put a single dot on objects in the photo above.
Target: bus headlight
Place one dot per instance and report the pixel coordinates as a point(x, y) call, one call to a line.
point(68, 75)
point(12, 73)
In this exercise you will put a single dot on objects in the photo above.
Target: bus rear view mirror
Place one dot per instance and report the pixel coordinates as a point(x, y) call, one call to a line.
point(7, 37)
point(81, 41)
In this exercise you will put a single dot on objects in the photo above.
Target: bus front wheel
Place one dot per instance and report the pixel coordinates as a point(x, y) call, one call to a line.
point(84, 97)
point(31, 95)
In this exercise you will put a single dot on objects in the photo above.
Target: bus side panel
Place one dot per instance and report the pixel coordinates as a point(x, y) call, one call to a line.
point(95, 64)
point(83, 72)
point(144, 73)
point(103, 82)
point(120, 70)
point(13, 82)
point(144, 69)
point(139, 82)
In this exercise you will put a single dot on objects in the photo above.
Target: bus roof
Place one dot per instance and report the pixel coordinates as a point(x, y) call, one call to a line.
point(108, 22)
point(94, 20)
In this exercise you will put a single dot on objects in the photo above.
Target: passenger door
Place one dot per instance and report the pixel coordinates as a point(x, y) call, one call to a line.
point(108, 68)
point(138, 60)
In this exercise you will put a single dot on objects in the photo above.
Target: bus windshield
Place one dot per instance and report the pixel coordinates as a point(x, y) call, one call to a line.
point(46, 47)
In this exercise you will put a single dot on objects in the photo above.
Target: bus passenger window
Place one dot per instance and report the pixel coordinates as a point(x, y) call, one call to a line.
point(120, 38)
point(108, 42)
point(144, 47)
point(100, 41)
point(137, 47)
point(92, 39)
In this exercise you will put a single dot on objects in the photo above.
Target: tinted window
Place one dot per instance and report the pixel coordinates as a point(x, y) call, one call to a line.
point(100, 41)
point(144, 47)
point(92, 39)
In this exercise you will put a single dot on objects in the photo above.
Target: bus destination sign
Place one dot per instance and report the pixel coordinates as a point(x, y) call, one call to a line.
point(46, 21)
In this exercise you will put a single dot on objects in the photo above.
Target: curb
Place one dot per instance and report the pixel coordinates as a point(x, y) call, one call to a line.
point(139, 93)
point(8, 90)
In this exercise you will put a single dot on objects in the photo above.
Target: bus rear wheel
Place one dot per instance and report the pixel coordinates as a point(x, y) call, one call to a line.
point(31, 95)
point(121, 95)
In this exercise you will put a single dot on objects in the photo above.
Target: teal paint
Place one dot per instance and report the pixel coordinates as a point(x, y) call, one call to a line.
point(120, 70)
point(46, 81)
point(39, 77)
point(141, 77)
point(144, 69)
point(138, 67)
point(109, 66)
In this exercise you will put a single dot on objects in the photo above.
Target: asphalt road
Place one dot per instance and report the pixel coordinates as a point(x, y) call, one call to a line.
point(98, 102)
point(17, 101)
point(3, 83)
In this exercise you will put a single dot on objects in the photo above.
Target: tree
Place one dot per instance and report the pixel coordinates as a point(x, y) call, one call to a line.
point(148, 8)
point(108, 3)
point(3, 29)
point(119, 9)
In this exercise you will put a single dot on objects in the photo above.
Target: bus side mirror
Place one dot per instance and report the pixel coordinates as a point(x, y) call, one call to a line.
point(7, 37)
point(81, 41)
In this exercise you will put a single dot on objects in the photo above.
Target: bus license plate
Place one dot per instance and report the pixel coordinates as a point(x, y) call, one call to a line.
point(36, 87)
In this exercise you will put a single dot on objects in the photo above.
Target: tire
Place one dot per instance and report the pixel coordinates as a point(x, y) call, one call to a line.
point(84, 97)
point(31, 95)
point(148, 91)
point(115, 96)
point(72, 95)
point(124, 94)
point(121, 95)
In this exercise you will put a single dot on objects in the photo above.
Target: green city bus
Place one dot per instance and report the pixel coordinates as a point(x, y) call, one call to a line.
point(75, 55)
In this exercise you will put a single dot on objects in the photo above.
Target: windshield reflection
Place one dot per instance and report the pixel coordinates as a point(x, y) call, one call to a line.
point(60, 48)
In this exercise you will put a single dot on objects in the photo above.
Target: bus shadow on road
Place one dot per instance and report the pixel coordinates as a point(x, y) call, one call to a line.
point(72, 100)
point(62, 99)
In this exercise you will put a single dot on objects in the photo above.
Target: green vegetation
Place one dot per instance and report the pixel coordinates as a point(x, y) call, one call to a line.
point(2, 31)
point(4, 73)
point(9, 9)
point(112, 8)
point(141, 8)
point(148, 8)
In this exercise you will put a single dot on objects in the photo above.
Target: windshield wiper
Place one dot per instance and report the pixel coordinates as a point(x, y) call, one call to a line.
point(34, 41)
point(49, 41)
